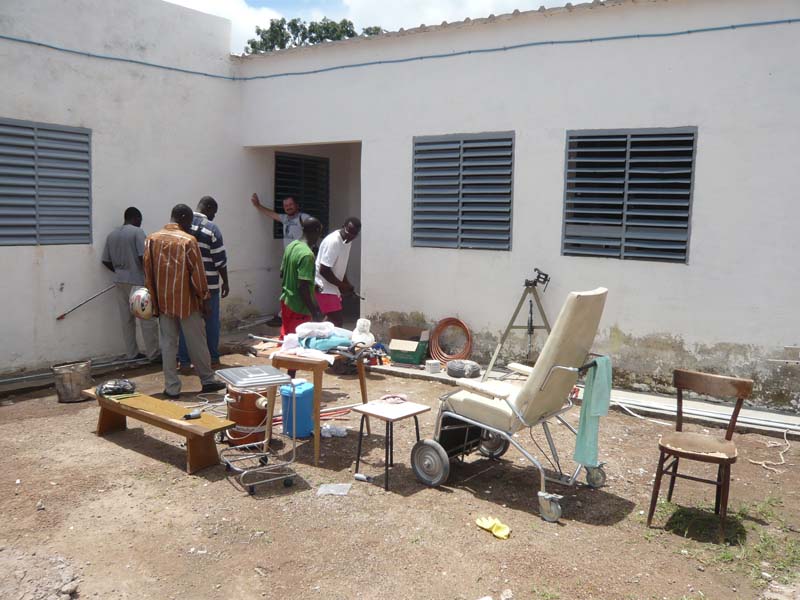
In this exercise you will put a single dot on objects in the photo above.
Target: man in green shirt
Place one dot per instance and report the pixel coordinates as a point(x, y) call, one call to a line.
point(297, 271)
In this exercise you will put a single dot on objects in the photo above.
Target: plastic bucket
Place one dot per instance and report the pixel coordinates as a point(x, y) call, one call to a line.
point(249, 419)
point(305, 406)
point(71, 379)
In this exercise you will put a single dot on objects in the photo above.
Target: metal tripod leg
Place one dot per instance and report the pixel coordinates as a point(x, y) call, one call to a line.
point(510, 326)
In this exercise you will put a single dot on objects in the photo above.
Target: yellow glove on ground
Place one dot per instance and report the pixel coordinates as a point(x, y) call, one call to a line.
point(498, 529)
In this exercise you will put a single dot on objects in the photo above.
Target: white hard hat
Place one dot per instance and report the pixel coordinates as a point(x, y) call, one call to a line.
point(141, 303)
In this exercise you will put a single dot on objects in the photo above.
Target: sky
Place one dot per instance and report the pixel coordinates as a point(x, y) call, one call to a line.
point(389, 14)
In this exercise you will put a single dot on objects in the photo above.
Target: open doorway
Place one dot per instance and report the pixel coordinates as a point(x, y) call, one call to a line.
point(325, 179)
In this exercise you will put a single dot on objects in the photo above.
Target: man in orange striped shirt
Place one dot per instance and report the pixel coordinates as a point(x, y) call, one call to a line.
point(176, 278)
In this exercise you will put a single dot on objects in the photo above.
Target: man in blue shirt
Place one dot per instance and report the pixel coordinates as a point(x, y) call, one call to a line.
point(215, 262)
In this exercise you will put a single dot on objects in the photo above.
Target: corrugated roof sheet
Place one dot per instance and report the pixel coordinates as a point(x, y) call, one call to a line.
point(468, 22)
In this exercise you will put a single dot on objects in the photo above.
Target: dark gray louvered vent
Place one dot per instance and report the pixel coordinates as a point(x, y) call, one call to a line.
point(45, 184)
point(629, 193)
point(306, 179)
point(462, 191)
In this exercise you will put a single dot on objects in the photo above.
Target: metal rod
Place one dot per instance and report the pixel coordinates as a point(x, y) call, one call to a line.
point(47, 374)
point(264, 339)
point(77, 306)
point(255, 321)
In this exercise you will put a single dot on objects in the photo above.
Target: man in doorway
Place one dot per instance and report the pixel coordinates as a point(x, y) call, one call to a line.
point(297, 271)
point(292, 219)
point(215, 262)
point(122, 255)
point(292, 222)
point(331, 280)
point(174, 274)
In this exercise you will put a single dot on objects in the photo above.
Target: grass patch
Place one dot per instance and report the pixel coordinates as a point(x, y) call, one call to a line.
point(545, 594)
point(703, 526)
point(757, 539)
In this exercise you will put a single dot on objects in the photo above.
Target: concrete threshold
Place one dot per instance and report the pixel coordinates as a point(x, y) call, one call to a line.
point(763, 421)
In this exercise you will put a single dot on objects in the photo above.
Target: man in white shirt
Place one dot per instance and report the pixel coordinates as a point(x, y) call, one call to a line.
point(331, 278)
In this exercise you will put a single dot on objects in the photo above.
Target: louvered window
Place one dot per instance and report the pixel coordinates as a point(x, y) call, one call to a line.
point(45, 184)
point(463, 190)
point(306, 179)
point(629, 193)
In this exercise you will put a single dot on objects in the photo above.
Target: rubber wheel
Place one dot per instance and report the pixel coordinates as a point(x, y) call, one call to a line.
point(288, 482)
point(251, 489)
point(493, 445)
point(430, 463)
point(595, 477)
point(227, 467)
point(550, 510)
point(264, 460)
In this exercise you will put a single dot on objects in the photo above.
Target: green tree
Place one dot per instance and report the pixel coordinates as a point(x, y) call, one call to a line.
point(283, 34)
point(374, 30)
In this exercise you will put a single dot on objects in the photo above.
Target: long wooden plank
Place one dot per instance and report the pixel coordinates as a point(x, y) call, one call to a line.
point(166, 415)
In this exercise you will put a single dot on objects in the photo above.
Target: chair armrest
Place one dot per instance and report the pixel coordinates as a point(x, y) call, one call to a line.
point(519, 368)
point(489, 389)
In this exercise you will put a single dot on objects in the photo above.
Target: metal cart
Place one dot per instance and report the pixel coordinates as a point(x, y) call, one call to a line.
point(252, 461)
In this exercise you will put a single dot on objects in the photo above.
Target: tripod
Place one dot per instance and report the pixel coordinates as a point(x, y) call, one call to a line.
point(530, 293)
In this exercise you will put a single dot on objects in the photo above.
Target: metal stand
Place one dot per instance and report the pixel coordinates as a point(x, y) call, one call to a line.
point(531, 294)
point(252, 461)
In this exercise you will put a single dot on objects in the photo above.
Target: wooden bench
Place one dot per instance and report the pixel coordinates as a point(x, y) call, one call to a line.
point(201, 449)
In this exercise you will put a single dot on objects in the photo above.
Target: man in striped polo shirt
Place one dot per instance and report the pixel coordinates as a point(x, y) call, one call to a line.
point(209, 238)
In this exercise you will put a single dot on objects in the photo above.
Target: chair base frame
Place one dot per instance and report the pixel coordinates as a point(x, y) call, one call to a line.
point(456, 445)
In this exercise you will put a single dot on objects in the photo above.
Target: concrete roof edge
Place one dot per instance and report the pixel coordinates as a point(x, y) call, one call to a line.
point(491, 19)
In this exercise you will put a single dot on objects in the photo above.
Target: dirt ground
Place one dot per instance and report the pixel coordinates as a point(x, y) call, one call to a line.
point(118, 517)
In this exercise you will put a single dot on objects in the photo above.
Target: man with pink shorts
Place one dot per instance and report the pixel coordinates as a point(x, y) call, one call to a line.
point(331, 278)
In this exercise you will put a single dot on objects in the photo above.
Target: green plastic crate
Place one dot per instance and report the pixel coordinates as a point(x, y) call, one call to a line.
point(408, 357)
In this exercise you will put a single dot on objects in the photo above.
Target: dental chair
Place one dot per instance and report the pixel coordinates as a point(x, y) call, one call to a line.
point(484, 416)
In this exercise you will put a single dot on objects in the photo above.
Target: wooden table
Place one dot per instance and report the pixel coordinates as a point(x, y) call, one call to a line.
point(317, 366)
point(201, 450)
point(390, 412)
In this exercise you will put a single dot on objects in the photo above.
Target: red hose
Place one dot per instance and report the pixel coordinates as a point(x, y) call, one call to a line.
point(436, 349)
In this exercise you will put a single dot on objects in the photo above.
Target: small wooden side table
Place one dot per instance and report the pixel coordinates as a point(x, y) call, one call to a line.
point(389, 411)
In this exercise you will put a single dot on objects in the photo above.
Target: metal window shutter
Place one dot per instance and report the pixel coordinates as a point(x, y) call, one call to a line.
point(45, 184)
point(628, 194)
point(435, 204)
point(660, 169)
point(305, 178)
point(462, 191)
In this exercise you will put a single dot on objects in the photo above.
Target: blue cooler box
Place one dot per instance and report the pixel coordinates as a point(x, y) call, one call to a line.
point(305, 407)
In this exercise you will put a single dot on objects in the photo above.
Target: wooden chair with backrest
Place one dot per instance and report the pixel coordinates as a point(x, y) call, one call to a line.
point(701, 447)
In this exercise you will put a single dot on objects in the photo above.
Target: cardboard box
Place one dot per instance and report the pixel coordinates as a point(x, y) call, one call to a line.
point(408, 351)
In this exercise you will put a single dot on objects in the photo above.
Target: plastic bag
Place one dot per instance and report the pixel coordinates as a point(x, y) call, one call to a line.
point(312, 329)
point(328, 431)
point(463, 368)
point(114, 387)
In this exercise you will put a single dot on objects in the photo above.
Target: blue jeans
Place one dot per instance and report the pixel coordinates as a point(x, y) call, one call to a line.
point(212, 334)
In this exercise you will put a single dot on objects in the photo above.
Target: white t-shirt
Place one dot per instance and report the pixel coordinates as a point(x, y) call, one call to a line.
point(333, 253)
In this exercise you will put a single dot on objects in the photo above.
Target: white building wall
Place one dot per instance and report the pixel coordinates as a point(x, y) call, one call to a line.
point(739, 87)
point(158, 138)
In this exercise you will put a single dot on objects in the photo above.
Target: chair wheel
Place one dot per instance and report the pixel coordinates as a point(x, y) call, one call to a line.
point(550, 510)
point(595, 477)
point(288, 482)
point(430, 463)
point(493, 445)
